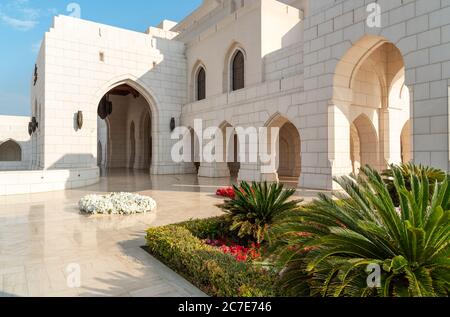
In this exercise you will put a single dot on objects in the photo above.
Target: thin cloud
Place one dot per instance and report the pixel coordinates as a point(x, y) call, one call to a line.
point(18, 15)
point(21, 25)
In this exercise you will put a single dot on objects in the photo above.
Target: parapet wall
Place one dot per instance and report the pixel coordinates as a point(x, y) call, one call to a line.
point(28, 182)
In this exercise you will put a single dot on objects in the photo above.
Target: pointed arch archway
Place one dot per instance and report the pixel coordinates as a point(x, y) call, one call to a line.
point(364, 144)
point(288, 149)
point(230, 148)
point(131, 103)
point(370, 104)
point(10, 151)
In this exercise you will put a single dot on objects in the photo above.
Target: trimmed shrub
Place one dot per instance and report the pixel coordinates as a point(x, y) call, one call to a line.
point(214, 272)
point(210, 228)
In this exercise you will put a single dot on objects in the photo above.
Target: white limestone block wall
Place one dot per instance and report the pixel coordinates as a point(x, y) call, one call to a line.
point(273, 30)
point(420, 30)
point(251, 107)
point(83, 61)
point(37, 107)
point(15, 129)
point(284, 63)
point(39, 181)
point(258, 28)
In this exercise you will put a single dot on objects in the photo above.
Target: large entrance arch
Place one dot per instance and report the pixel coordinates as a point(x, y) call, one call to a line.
point(128, 122)
point(370, 106)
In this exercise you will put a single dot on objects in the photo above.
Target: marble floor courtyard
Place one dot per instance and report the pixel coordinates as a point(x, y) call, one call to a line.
point(44, 235)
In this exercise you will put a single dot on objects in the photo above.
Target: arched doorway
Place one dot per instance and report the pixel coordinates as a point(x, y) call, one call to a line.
point(10, 151)
point(363, 144)
point(231, 148)
point(369, 85)
point(126, 106)
point(288, 151)
point(290, 165)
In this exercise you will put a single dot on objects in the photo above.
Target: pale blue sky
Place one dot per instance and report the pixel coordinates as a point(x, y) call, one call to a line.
point(24, 22)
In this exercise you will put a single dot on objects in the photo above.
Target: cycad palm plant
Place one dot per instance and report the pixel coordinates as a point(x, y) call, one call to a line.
point(433, 174)
point(327, 247)
point(255, 207)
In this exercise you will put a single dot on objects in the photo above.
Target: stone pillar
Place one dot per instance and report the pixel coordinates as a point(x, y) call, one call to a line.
point(392, 123)
point(338, 142)
point(249, 172)
point(214, 170)
point(253, 172)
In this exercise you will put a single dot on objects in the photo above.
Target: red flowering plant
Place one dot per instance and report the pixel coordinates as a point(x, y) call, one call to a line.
point(227, 192)
point(239, 252)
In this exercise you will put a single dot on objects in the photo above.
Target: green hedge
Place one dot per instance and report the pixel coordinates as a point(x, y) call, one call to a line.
point(210, 228)
point(206, 267)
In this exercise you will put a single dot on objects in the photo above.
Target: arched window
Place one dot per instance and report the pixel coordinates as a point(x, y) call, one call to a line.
point(238, 75)
point(201, 84)
point(10, 151)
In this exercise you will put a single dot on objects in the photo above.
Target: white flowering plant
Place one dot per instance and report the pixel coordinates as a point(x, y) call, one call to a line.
point(116, 204)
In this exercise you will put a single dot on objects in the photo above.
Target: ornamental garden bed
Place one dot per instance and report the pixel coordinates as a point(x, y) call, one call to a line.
point(211, 258)
point(268, 244)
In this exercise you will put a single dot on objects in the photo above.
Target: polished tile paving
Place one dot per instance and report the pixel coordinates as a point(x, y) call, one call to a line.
point(45, 241)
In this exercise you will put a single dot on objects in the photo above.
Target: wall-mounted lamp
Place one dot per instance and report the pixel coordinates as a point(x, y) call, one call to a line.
point(34, 123)
point(172, 124)
point(32, 126)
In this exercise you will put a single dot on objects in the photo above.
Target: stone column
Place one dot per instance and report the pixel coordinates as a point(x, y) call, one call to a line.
point(339, 142)
point(392, 122)
point(214, 170)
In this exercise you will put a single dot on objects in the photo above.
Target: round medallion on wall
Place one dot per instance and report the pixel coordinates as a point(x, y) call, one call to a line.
point(30, 128)
point(172, 124)
point(80, 119)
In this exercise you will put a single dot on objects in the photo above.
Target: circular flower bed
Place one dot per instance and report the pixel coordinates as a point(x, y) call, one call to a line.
point(116, 204)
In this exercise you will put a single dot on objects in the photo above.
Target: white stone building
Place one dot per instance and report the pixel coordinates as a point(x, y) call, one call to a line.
point(15, 146)
point(344, 92)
